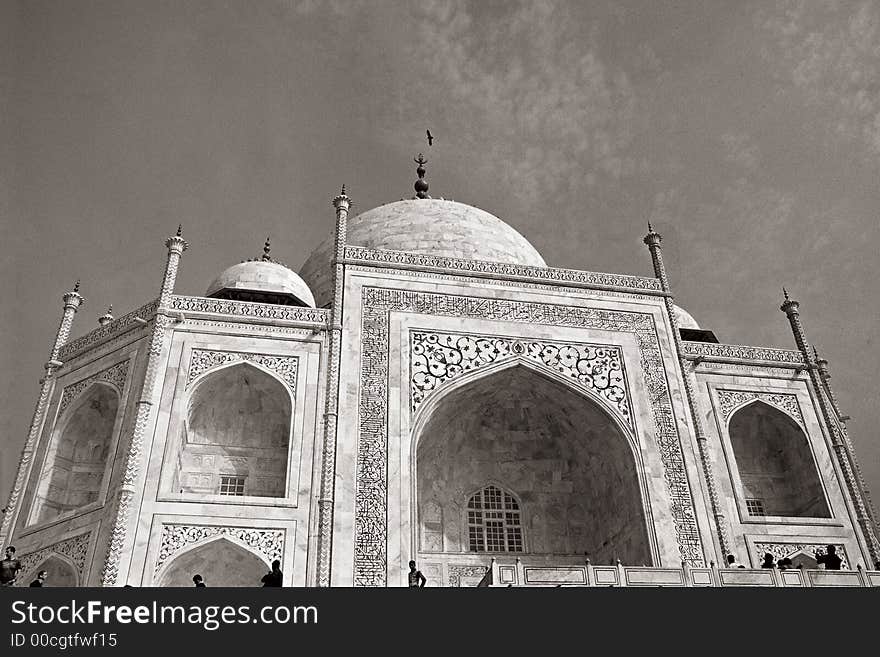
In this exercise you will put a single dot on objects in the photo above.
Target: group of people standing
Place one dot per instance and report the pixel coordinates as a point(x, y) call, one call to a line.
point(829, 559)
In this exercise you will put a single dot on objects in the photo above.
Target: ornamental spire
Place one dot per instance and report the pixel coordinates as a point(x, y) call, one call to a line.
point(266, 248)
point(107, 317)
point(421, 185)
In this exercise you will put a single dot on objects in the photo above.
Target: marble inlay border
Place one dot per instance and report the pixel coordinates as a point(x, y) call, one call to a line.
point(75, 548)
point(177, 538)
point(203, 360)
point(500, 269)
point(103, 333)
point(370, 558)
point(115, 375)
point(439, 357)
point(709, 351)
point(250, 309)
point(731, 399)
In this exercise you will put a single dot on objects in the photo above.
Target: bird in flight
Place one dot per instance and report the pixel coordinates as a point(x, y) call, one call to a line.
point(430, 137)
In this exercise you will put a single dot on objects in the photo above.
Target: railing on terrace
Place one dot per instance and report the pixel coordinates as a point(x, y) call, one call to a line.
point(517, 573)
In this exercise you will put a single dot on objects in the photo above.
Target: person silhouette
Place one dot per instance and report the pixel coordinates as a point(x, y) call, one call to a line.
point(830, 558)
point(9, 568)
point(198, 581)
point(41, 578)
point(274, 577)
point(415, 577)
point(768, 561)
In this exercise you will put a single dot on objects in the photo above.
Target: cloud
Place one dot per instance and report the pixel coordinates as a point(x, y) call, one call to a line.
point(831, 53)
point(740, 149)
point(556, 114)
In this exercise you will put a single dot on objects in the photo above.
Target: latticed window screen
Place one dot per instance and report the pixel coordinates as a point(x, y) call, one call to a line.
point(231, 485)
point(755, 507)
point(494, 522)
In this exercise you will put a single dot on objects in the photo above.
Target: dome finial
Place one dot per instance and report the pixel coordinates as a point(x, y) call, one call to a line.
point(266, 248)
point(785, 293)
point(179, 230)
point(421, 185)
point(76, 286)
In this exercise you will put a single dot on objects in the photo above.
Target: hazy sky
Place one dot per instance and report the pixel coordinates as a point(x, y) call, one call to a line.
point(749, 132)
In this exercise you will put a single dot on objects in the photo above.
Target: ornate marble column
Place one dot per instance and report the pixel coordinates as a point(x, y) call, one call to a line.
point(652, 240)
point(119, 543)
point(72, 301)
point(835, 422)
point(331, 402)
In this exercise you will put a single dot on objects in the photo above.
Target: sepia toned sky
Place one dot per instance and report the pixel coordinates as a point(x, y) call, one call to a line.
point(748, 132)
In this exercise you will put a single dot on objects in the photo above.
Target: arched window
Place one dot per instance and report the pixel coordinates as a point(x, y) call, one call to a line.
point(775, 463)
point(494, 522)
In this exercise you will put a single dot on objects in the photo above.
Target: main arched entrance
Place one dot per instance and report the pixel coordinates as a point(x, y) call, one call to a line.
point(519, 462)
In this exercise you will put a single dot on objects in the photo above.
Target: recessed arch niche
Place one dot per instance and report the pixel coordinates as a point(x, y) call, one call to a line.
point(60, 572)
point(237, 429)
point(76, 462)
point(569, 466)
point(775, 463)
point(220, 562)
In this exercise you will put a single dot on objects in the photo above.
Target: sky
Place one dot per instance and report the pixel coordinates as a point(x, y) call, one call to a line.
point(747, 132)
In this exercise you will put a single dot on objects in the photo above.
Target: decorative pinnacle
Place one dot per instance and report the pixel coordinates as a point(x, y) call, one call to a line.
point(652, 238)
point(107, 317)
point(342, 200)
point(421, 185)
point(179, 230)
point(789, 306)
point(266, 248)
point(76, 286)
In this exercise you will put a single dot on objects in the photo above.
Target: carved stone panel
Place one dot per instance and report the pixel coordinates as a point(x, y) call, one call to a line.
point(114, 375)
point(176, 538)
point(731, 399)
point(76, 549)
point(440, 357)
point(203, 360)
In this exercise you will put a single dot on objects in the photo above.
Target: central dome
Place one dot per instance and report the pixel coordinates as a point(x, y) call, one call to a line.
point(424, 226)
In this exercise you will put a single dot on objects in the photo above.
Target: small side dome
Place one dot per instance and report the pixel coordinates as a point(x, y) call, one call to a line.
point(685, 319)
point(263, 281)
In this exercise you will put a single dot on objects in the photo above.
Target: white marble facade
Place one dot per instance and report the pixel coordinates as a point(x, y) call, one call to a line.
point(464, 371)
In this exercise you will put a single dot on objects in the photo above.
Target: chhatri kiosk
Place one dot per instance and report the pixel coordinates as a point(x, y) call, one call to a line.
point(427, 388)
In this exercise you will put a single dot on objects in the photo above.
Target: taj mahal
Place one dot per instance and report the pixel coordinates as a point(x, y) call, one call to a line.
point(427, 388)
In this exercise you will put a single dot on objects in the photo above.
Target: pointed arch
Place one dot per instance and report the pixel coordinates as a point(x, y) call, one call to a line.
point(519, 427)
point(221, 560)
point(62, 571)
point(77, 461)
point(236, 434)
point(775, 462)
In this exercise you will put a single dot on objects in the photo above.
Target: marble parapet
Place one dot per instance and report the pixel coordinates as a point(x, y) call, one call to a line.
point(504, 271)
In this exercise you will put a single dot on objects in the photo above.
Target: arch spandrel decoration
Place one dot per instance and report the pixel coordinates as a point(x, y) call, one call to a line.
point(203, 360)
point(371, 498)
point(731, 400)
point(115, 376)
point(74, 549)
point(440, 357)
point(782, 550)
point(178, 538)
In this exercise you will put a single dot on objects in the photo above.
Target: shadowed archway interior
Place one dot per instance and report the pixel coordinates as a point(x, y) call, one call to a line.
point(549, 451)
point(77, 459)
point(237, 434)
point(220, 563)
point(775, 464)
